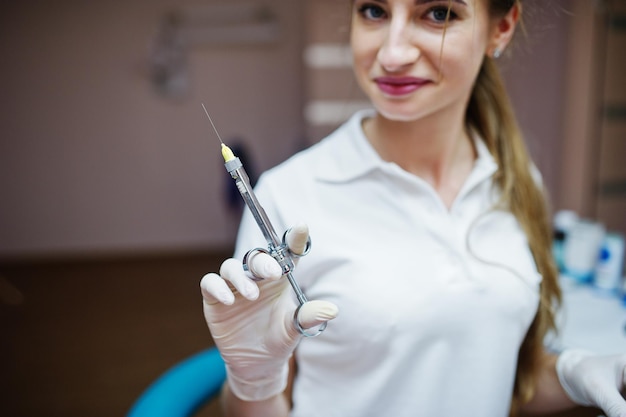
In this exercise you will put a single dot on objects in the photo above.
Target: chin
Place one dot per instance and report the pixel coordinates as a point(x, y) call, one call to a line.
point(397, 114)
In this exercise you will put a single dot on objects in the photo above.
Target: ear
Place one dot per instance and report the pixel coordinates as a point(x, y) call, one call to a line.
point(502, 31)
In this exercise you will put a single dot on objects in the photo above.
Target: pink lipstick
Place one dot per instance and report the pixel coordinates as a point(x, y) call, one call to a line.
point(399, 86)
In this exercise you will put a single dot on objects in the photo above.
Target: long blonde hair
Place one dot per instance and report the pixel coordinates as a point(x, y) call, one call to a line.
point(491, 115)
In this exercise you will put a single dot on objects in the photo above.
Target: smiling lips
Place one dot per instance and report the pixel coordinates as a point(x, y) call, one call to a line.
point(399, 86)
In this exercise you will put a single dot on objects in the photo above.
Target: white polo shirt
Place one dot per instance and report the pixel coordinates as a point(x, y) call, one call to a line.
point(426, 326)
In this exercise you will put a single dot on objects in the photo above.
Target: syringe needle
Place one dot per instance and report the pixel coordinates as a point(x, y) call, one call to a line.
point(210, 120)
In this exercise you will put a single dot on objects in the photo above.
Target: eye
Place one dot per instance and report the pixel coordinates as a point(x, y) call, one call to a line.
point(439, 14)
point(372, 12)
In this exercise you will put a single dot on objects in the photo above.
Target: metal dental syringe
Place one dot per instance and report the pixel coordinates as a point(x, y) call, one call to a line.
point(276, 248)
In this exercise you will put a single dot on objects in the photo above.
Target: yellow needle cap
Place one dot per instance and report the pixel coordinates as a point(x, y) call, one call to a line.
point(227, 153)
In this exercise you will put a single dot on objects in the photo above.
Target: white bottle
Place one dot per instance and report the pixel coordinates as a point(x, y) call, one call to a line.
point(608, 272)
point(580, 253)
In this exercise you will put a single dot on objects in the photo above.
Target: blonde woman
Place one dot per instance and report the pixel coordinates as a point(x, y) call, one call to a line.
point(431, 236)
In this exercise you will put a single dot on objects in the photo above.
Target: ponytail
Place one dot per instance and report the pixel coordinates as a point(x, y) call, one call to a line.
point(490, 114)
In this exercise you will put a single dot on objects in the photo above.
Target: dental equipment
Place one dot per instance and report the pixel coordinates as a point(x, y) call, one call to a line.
point(276, 248)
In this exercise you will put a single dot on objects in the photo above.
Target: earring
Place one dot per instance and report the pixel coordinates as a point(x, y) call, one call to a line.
point(497, 53)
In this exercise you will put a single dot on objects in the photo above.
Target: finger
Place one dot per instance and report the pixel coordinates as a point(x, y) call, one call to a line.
point(263, 266)
point(297, 238)
point(613, 405)
point(215, 289)
point(314, 313)
point(232, 271)
point(611, 399)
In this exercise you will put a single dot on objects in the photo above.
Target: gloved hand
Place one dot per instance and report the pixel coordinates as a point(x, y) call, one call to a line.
point(252, 322)
point(596, 381)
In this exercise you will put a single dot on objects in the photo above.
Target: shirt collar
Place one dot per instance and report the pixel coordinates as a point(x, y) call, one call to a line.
point(353, 156)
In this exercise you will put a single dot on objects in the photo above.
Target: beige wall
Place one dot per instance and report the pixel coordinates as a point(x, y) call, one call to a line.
point(93, 159)
point(581, 109)
point(610, 144)
point(593, 178)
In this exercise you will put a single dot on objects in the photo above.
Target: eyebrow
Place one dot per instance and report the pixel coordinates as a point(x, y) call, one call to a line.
point(432, 1)
point(420, 2)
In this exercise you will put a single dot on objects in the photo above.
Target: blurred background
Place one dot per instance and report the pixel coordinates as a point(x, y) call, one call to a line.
point(113, 197)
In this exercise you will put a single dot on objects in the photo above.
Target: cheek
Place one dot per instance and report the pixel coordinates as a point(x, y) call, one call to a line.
point(462, 59)
point(363, 58)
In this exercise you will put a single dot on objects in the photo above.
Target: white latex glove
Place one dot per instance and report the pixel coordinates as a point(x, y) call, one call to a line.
point(596, 381)
point(252, 322)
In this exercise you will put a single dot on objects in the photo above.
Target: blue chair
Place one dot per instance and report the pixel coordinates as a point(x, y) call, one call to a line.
point(184, 388)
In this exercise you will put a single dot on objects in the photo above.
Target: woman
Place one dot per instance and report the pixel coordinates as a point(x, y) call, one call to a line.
point(431, 235)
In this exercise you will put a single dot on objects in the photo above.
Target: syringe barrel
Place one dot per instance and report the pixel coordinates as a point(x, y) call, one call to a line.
point(277, 248)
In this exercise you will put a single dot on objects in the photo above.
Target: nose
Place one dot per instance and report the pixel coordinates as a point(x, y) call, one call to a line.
point(398, 49)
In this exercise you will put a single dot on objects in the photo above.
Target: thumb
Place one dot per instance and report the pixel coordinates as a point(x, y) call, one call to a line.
point(314, 313)
point(297, 239)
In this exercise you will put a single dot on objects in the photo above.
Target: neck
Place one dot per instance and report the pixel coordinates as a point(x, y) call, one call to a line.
point(436, 151)
point(424, 149)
